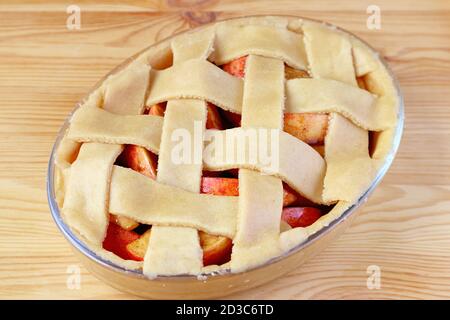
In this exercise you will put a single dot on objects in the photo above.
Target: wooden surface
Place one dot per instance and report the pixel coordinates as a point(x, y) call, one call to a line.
point(45, 69)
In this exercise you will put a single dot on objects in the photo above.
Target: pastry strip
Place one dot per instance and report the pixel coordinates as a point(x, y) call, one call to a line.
point(349, 167)
point(125, 91)
point(181, 169)
point(271, 21)
point(268, 41)
point(263, 93)
point(192, 45)
point(325, 95)
point(66, 154)
point(94, 124)
point(180, 155)
point(171, 252)
point(207, 82)
point(258, 222)
point(364, 59)
point(329, 53)
point(87, 189)
point(299, 164)
point(379, 81)
point(86, 201)
point(184, 119)
point(136, 196)
point(260, 196)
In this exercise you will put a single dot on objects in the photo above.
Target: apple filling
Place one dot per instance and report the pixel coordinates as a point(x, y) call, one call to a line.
point(129, 239)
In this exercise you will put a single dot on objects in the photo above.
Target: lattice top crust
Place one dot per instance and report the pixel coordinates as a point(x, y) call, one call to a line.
point(91, 185)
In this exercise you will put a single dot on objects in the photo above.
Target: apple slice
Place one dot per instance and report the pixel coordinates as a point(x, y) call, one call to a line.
point(216, 249)
point(300, 216)
point(124, 222)
point(320, 148)
point(213, 121)
point(361, 83)
point(117, 239)
point(141, 160)
point(291, 73)
point(138, 247)
point(236, 67)
point(220, 186)
point(232, 172)
point(311, 128)
point(308, 127)
point(234, 119)
point(289, 195)
point(230, 187)
point(293, 198)
point(157, 109)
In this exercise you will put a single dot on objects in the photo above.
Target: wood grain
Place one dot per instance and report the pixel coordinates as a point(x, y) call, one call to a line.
point(45, 69)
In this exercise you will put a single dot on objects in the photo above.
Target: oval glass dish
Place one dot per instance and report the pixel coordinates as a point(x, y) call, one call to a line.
point(215, 284)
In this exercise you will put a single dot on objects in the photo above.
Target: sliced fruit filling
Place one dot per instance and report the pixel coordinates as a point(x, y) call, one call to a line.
point(308, 127)
point(124, 222)
point(117, 239)
point(300, 216)
point(138, 247)
point(123, 237)
point(216, 249)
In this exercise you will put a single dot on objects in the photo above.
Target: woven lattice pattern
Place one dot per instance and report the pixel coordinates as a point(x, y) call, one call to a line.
point(91, 186)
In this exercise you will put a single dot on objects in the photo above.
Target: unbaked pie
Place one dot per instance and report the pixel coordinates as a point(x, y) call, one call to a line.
point(326, 99)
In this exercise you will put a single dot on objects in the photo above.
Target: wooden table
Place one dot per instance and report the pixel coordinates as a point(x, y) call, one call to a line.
point(45, 68)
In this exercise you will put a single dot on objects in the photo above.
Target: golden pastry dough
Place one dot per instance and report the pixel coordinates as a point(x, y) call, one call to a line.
point(324, 95)
point(87, 193)
point(90, 124)
point(349, 168)
point(88, 186)
point(67, 151)
point(208, 82)
point(125, 91)
point(298, 163)
point(171, 252)
point(346, 145)
point(136, 196)
point(273, 42)
point(177, 250)
point(193, 45)
point(264, 91)
point(329, 53)
point(260, 196)
point(180, 156)
point(87, 189)
point(365, 60)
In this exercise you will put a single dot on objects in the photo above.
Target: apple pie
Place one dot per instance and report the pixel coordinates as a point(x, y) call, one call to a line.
point(142, 179)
